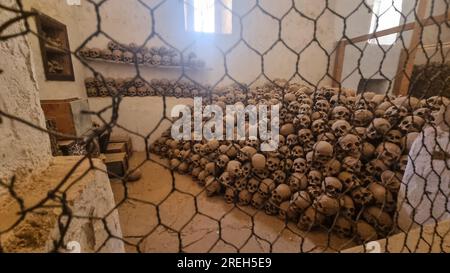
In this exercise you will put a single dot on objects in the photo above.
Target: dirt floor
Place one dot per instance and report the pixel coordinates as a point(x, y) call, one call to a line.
point(172, 214)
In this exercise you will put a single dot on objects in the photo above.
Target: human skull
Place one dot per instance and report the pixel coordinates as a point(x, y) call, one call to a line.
point(106, 54)
point(284, 213)
point(362, 196)
point(323, 151)
point(411, 124)
point(156, 60)
point(258, 201)
point(341, 128)
point(379, 219)
point(271, 208)
point(328, 137)
point(364, 232)
point(258, 161)
point(388, 152)
point(367, 151)
point(280, 194)
point(246, 170)
point(332, 167)
point(266, 187)
point(375, 167)
point(343, 227)
point(246, 153)
point(394, 114)
point(391, 180)
point(213, 186)
point(128, 57)
point(226, 179)
point(230, 195)
point(202, 176)
point(319, 126)
point(278, 176)
point(241, 184)
point(403, 162)
point(332, 186)
point(221, 161)
point(253, 185)
point(362, 118)
point(310, 219)
point(300, 165)
point(234, 168)
point(340, 112)
point(85, 52)
point(378, 128)
point(319, 115)
point(292, 140)
point(322, 105)
point(382, 197)
point(95, 52)
point(301, 201)
point(347, 207)
point(305, 136)
point(315, 178)
point(350, 144)
point(351, 164)
point(297, 182)
point(273, 164)
point(302, 121)
point(244, 198)
point(297, 151)
point(294, 107)
point(304, 109)
point(394, 136)
point(314, 191)
point(211, 168)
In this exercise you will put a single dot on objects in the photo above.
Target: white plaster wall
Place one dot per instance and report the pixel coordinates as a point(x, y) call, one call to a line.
point(22, 149)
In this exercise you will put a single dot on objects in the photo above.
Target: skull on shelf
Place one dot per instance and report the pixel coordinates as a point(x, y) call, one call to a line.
point(106, 54)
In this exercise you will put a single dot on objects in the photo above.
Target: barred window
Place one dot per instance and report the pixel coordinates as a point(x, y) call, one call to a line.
point(208, 16)
point(386, 14)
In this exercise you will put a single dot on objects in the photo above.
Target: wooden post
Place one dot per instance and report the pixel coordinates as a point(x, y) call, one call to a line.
point(408, 56)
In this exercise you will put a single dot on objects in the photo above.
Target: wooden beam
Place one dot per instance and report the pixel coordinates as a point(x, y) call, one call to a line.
point(408, 56)
point(405, 27)
point(340, 51)
point(339, 64)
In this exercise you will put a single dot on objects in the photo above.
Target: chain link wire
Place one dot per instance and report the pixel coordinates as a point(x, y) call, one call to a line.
point(359, 201)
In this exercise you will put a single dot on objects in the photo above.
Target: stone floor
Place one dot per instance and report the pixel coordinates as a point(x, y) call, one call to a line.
point(165, 213)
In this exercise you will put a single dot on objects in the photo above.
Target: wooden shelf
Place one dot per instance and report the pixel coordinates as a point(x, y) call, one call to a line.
point(54, 49)
point(57, 60)
point(100, 60)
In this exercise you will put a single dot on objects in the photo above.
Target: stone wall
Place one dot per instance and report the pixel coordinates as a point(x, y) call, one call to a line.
point(22, 149)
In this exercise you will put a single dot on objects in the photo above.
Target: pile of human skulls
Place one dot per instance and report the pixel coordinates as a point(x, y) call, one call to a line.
point(156, 56)
point(339, 164)
point(133, 87)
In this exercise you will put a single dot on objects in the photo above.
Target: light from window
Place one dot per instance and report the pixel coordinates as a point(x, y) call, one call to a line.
point(386, 14)
point(204, 16)
point(208, 16)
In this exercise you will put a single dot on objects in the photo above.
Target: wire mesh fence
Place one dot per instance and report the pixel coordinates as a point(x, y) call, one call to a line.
point(352, 166)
